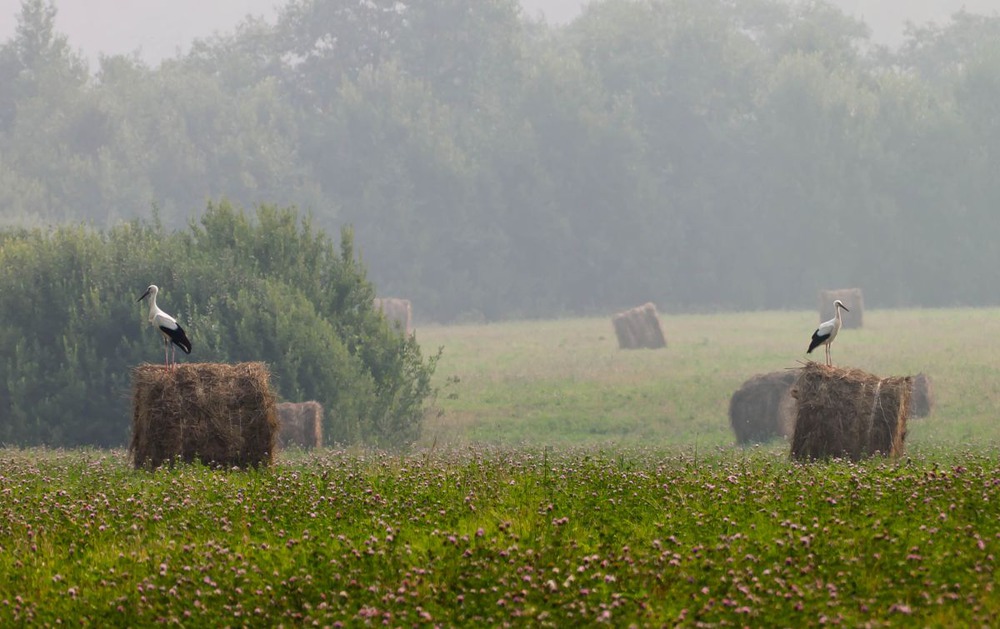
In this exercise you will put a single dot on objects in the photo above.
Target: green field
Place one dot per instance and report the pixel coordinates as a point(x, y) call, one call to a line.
point(559, 481)
point(565, 382)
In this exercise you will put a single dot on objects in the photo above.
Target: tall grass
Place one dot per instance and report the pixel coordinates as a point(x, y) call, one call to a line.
point(491, 537)
point(566, 382)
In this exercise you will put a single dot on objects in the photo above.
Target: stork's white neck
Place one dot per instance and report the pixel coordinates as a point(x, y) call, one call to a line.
point(153, 308)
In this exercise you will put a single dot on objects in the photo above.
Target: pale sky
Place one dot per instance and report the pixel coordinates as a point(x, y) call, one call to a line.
point(157, 29)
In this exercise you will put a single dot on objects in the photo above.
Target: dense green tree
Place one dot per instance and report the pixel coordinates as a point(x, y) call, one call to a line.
point(463, 50)
point(938, 52)
point(328, 42)
point(688, 71)
point(44, 81)
point(267, 287)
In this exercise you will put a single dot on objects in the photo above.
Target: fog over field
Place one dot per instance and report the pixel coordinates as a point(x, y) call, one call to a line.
point(500, 161)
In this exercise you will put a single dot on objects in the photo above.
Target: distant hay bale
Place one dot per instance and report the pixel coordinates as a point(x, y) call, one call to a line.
point(852, 298)
point(398, 312)
point(215, 413)
point(848, 413)
point(639, 328)
point(623, 331)
point(763, 408)
point(921, 396)
point(300, 424)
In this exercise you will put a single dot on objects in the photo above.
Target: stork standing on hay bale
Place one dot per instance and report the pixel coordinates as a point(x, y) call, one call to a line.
point(168, 327)
point(827, 331)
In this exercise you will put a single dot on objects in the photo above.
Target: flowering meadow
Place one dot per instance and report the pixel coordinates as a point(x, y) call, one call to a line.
point(559, 482)
point(482, 536)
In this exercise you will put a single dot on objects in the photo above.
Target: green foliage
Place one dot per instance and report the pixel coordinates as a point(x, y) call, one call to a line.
point(266, 287)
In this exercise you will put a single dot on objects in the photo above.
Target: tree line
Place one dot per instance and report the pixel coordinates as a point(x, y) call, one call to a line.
point(701, 154)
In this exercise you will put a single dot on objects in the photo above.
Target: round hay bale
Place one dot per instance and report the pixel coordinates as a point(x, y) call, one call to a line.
point(921, 396)
point(218, 414)
point(851, 297)
point(763, 408)
point(848, 413)
point(300, 424)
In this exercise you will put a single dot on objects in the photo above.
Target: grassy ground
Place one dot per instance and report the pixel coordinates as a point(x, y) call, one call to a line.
point(491, 537)
point(560, 481)
point(565, 382)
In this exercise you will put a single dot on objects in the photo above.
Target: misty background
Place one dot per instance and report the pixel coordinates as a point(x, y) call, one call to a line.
point(159, 30)
point(501, 161)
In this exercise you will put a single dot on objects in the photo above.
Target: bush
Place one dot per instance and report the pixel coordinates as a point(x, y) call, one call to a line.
point(263, 287)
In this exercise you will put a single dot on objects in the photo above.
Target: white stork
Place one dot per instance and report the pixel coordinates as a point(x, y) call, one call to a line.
point(167, 325)
point(827, 331)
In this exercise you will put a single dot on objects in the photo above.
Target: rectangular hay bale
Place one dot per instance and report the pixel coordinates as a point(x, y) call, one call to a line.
point(623, 331)
point(848, 413)
point(639, 328)
point(398, 312)
point(219, 414)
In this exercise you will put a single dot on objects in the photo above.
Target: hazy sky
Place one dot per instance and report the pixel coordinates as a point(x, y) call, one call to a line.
point(154, 28)
point(157, 29)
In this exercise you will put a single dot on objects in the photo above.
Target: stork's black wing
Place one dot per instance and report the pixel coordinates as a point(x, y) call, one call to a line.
point(817, 340)
point(178, 338)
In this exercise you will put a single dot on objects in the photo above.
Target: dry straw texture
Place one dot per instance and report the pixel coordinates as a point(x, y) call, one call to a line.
point(851, 297)
point(922, 396)
point(218, 414)
point(763, 408)
point(848, 413)
point(398, 312)
point(639, 328)
point(301, 424)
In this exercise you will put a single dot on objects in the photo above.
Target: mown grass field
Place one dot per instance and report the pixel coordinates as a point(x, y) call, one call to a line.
point(565, 382)
point(560, 482)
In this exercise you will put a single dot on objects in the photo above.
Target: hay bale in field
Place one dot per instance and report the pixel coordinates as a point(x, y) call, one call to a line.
point(623, 331)
point(398, 312)
point(921, 396)
point(300, 424)
point(763, 408)
point(852, 298)
point(218, 414)
point(639, 328)
point(848, 413)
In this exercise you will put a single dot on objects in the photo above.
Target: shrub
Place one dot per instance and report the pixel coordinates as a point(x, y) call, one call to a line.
point(263, 287)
